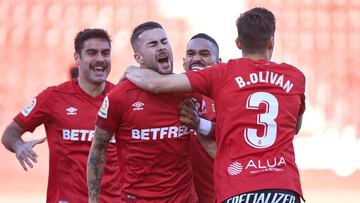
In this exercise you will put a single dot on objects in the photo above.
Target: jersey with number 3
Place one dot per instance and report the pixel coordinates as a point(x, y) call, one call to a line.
point(257, 105)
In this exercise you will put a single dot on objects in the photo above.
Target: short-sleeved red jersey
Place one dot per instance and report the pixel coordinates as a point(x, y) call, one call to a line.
point(154, 144)
point(202, 162)
point(68, 114)
point(257, 106)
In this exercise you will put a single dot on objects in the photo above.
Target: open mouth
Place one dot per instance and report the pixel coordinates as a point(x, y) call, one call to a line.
point(196, 66)
point(98, 68)
point(163, 60)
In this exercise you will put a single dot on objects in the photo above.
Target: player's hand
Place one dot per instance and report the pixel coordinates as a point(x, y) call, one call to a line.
point(25, 153)
point(130, 70)
point(189, 115)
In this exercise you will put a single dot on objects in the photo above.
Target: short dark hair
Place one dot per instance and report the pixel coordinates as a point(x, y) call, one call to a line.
point(255, 27)
point(207, 37)
point(88, 33)
point(140, 29)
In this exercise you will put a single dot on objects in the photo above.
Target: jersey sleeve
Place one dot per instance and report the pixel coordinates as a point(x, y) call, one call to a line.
point(110, 111)
point(36, 112)
point(207, 81)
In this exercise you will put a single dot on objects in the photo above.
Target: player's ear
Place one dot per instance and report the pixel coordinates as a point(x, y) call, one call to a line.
point(139, 58)
point(77, 58)
point(238, 44)
point(184, 64)
point(271, 43)
point(219, 60)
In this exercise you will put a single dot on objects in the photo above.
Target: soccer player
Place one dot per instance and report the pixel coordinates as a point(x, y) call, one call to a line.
point(259, 108)
point(153, 143)
point(201, 51)
point(68, 112)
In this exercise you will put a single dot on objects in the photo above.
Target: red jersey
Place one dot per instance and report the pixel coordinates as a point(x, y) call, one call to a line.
point(202, 162)
point(153, 143)
point(68, 114)
point(257, 105)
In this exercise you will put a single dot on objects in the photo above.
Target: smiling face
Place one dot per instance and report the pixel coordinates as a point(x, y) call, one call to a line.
point(94, 60)
point(154, 51)
point(199, 54)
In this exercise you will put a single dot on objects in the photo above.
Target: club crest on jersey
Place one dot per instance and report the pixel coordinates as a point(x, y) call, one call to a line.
point(27, 110)
point(103, 112)
point(71, 111)
point(138, 106)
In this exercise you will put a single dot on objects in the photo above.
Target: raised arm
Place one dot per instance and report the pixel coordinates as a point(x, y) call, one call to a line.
point(96, 163)
point(12, 140)
point(157, 83)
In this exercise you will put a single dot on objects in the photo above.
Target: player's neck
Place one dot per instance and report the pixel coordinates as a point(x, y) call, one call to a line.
point(258, 56)
point(92, 89)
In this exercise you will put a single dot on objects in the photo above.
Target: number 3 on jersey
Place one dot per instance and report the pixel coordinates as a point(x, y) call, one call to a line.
point(266, 119)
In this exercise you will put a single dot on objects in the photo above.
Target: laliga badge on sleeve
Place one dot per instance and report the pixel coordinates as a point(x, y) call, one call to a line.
point(27, 110)
point(104, 108)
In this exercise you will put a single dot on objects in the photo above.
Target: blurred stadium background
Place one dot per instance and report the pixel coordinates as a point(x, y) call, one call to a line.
point(320, 37)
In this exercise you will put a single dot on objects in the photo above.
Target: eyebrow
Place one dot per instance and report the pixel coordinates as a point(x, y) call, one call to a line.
point(201, 50)
point(152, 42)
point(91, 49)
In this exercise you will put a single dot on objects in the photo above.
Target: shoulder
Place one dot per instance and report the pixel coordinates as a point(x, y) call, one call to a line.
point(51, 92)
point(222, 69)
point(121, 88)
point(235, 62)
point(293, 69)
point(65, 87)
point(109, 86)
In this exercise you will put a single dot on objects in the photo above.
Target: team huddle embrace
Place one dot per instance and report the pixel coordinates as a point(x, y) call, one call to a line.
point(220, 132)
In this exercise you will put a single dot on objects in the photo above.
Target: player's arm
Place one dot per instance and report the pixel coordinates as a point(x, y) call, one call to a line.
point(96, 162)
point(190, 117)
point(205, 128)
point(12, 140)
point(208, 144)
point(157, 83)
point(299, 122)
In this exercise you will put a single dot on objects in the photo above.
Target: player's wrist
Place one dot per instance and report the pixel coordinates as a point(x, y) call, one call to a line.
point(204, 127)
point(16, 147)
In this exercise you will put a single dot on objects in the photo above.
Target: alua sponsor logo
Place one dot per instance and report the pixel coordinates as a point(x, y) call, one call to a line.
point(275, 164)
point(235, 168)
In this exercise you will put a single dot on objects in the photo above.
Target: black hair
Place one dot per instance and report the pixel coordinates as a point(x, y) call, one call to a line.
point(255, 27)
point(207, 37)
point(88, 33)
point(140, 29)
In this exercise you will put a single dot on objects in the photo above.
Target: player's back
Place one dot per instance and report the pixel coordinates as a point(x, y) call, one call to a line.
point(257, 106)
point(155, 145)
point(259, 111)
